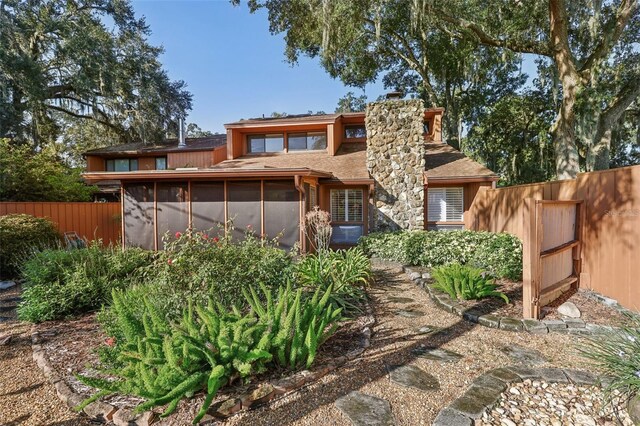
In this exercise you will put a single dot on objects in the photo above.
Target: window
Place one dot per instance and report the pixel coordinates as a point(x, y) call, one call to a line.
point(121, 165)
point(161, 163)
point(265, 143)
point(355, 132)
point(347, 215)
point(444, 204)
point(307, 141)
point(425, 128)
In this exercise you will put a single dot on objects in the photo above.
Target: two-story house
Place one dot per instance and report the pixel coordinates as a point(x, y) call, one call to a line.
point(386, 168)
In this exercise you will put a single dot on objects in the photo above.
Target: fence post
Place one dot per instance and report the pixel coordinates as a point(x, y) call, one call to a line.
point(531, 244)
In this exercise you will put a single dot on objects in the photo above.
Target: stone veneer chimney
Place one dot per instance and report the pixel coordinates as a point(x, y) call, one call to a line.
point(395, 160)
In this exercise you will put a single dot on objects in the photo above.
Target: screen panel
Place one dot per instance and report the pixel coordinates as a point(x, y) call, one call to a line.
point(207, 207)
point(173, 210)
point(138, 216)
point(244, 207)
point(282, 212)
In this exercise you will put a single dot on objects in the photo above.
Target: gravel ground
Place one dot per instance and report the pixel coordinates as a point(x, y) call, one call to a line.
point(394, 337)
point(536, 403)
point(26, 396)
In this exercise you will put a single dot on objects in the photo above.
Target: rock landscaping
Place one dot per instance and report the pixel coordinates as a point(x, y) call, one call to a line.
point(493, 312)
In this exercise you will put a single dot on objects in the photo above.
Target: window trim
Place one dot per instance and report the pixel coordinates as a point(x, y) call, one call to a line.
point(440, 220)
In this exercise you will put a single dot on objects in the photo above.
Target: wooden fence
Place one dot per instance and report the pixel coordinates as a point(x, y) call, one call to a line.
point(89, 220)
point(609, 234)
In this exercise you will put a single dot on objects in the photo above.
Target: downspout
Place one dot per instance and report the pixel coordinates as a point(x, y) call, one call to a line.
point(297, 179)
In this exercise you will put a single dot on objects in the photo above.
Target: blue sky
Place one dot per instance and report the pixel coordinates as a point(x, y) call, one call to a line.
point(233, 66)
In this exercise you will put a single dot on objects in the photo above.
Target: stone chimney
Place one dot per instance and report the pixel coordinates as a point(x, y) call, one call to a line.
point(395, 160)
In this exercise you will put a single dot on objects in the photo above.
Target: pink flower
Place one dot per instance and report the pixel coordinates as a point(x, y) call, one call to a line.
point(249, 226)
point(205, 236)
point(216, 239)
point(178, 234)
point(169, 261)
point(110, 341)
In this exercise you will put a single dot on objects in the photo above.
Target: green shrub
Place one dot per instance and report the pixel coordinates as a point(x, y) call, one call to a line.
point(60, 283)
point(500, 254)
point(165, 363)
point(465, 282)
point(22, 235)
point(196, 266)
point(618, 355)
point(348, 271)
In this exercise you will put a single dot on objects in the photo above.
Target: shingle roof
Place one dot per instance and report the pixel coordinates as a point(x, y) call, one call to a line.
point(295, 118)
point(167, 145)
point(444, 161)
point(348, 163)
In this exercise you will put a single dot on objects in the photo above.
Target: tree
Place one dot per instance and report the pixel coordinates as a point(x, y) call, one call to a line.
point(360, 40)
point(351, 103)
point(194, 131)
point(41, 176)
point(583, 40)
point(69, 59)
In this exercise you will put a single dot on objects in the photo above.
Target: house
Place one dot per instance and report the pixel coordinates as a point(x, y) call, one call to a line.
point(383, 169)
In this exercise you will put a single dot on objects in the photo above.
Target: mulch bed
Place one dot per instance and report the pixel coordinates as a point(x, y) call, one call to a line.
point(71, 348)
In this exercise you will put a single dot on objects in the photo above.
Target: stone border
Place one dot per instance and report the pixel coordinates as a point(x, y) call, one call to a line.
point(105, 413)
point(486, 389)
point(442, 300)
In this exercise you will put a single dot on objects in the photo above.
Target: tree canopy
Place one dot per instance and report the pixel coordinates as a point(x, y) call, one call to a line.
point(466, 56)
point(64, 60)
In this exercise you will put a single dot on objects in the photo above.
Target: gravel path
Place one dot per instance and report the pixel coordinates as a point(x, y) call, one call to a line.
point(394, 338)
point(26, 396)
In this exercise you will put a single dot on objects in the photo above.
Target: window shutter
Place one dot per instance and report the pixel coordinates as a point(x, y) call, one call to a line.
point(445, 204)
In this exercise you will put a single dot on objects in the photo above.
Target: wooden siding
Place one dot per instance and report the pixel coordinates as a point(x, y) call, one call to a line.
point(147, 163)
point(89, 220)
point(610, 232)
point(95, 163)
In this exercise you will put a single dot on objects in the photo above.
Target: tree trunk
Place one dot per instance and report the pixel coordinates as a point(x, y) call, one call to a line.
point(563, 130)
point(598, 157)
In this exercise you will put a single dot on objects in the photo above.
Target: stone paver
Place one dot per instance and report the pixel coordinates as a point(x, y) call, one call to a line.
point(366, 410)
point(436, 354)
point(523, 355)
point(399, 299)
point(427, 329)
point(413, 377)
point(410, 313)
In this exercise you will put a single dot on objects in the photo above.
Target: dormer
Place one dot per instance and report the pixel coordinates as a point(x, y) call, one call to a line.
point(294, 134)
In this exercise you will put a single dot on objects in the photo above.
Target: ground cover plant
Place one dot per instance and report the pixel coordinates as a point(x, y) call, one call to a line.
point(211, 346)
point(465, 282)
point(22, 235)
point(499, 254)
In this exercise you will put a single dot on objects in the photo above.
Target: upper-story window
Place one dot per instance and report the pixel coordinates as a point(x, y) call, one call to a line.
point(161, 163)
point(355, 132)
point(307, 141)
point(265, 143)
point(121, 164)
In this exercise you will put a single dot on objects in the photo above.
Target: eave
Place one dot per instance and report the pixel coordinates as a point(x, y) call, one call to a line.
point(459, 179)
point(202, 174)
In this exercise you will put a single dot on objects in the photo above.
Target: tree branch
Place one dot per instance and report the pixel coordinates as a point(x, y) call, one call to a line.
point(486, 39)
point(615, 28)
point(87, 117)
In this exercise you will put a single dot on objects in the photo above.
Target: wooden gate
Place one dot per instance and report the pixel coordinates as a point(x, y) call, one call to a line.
point(551, 258)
